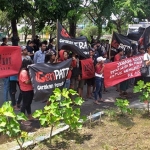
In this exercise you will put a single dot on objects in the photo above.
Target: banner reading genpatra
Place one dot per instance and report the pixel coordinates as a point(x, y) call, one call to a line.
point(46, 77)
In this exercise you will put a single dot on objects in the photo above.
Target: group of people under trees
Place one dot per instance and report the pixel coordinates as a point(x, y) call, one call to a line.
point(42, 52)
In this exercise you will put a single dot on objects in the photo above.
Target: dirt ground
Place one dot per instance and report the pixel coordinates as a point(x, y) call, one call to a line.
point(113, 132)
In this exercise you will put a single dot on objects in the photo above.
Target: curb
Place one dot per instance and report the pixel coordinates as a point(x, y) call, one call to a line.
point(45, 137)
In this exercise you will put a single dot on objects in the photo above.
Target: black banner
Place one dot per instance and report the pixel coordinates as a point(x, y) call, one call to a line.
point(120, 41)
point(46, 77)
point(145, 38)
point(77, 45)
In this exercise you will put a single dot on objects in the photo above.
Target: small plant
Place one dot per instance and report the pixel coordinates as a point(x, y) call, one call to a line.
point(9, 124)
point(61, 110)
point(123, 106)
point(144, 89)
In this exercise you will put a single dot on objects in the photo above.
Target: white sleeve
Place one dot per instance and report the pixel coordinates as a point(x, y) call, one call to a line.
point(145, 57)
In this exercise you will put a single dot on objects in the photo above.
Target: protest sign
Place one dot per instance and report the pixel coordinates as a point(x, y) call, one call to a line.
point(77, 45)
point(88, 70)
point(46, 77)
point(119, 71)
point(10, 60)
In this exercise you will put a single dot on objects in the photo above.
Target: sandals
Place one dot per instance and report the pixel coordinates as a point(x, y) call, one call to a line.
point(96, 102)
point(26, 123)
point(101, 101)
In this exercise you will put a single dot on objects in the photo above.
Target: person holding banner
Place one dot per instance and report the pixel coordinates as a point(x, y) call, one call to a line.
point(5, 80)
point(99, 68)
point(27, 89)
point(124, 84)
point(147, 61)
point(64, 56)
point(118, 57)
point(140, 52)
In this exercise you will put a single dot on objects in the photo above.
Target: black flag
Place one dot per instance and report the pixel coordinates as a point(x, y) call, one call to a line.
point(46, 77)
point(145, 38)
point(119, 40)
point(77, 45)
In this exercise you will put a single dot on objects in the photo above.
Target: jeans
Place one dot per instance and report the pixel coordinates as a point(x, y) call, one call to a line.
point(6, 89)
point(67, 84)
point(98, 90)
point(12, 91)
point(20, 96)
point(27, 100)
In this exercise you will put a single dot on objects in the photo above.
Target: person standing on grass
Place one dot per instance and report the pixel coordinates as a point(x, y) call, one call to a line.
point(26, 89)
point(99, 69)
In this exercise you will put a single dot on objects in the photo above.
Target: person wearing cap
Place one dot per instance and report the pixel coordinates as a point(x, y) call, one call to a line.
point(51, 57)
point(24, 53)
point(147, 62)
point(99, 69)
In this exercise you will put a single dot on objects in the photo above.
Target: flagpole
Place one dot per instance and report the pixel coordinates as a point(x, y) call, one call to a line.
point(57, 44)
point(110, 46)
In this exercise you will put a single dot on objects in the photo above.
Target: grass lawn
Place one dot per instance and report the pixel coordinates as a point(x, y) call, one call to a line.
point(113, 132)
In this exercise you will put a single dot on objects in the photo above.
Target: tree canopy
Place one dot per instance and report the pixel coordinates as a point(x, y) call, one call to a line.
point(99, 13)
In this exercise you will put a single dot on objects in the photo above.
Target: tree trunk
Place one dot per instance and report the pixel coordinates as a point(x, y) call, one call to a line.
point(15, 38)
point(72, 27)
point(119, 27)
point(25, 38)
point(33, 28)
point(99, 32)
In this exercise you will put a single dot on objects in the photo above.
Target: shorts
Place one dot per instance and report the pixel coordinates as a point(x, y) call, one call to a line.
point(81, 84)
point(90, 82)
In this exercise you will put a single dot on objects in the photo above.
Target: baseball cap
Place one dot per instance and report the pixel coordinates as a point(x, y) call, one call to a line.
point(23, 48)
point(142, 47)
point(100, 59)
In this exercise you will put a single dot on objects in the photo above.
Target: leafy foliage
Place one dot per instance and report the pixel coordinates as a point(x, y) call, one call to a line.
point(61, 110)
point(123, 105)
point(9, 124)
point(144, 89)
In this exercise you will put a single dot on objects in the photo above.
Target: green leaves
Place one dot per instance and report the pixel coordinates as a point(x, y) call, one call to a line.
point(37, 113)
point(61, 110)
point(21, 116)
point(144, 89)
point(123, 105)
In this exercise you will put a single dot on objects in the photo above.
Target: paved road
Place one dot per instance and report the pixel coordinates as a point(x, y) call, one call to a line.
point(88, 106)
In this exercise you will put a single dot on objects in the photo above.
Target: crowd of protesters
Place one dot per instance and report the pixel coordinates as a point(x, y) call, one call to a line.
point(42, 52)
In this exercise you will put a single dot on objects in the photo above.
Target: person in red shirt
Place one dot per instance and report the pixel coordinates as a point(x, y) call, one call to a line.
point(63, 55)
point(27, 89)
point(118, 57)
point(99, 69)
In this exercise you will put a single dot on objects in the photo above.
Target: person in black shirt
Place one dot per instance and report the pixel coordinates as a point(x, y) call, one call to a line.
point(37, 43)
point(30, 49)
point(4, 41)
